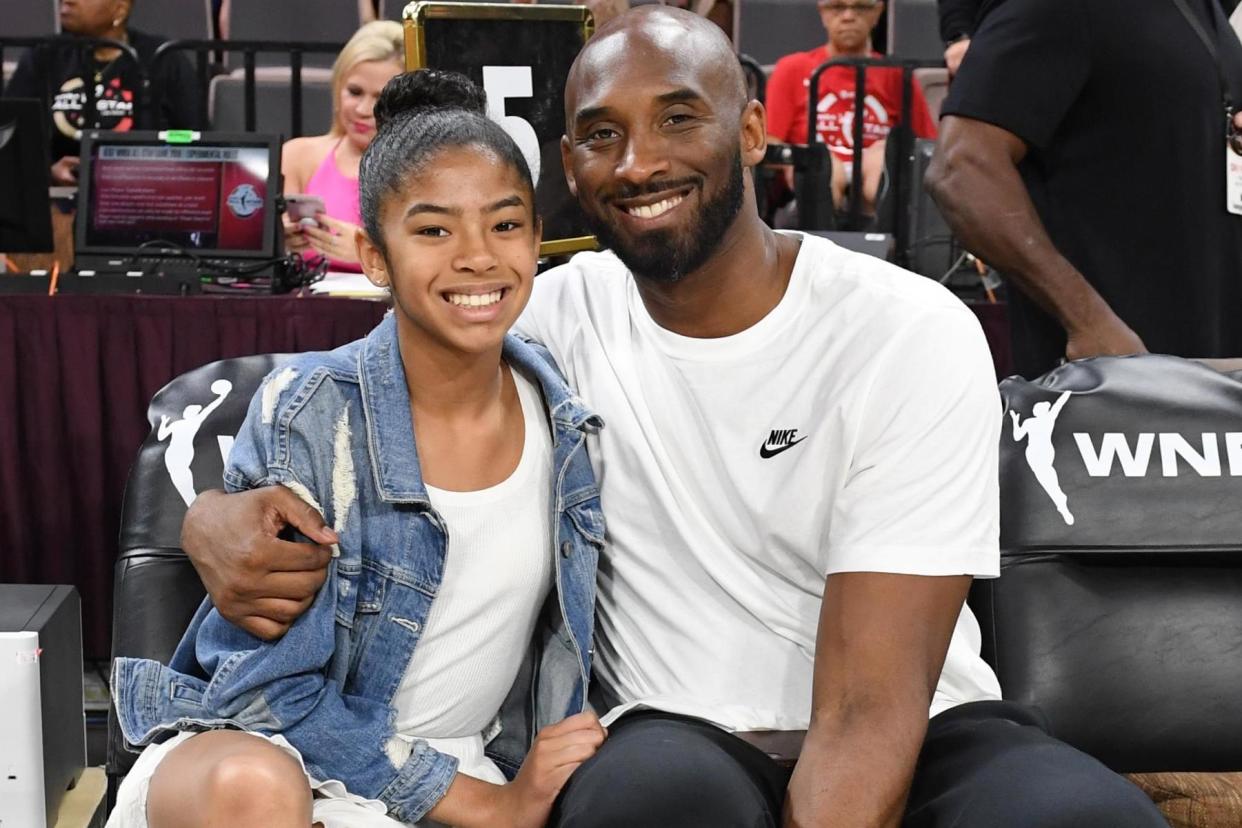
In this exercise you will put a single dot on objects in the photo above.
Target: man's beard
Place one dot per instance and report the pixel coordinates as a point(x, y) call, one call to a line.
point(670, 255)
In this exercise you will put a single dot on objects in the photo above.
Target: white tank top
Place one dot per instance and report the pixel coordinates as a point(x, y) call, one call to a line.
point(497, 573)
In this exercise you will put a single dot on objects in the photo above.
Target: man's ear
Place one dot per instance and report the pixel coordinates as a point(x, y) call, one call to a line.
point(754, 134)
point(568, 164)
point(374, 265)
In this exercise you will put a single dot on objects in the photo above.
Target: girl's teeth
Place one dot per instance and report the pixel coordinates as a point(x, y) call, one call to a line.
point(475, 300)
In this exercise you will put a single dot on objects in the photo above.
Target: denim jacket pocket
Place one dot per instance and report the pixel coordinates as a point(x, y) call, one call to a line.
point(371, 586)
point(588, 519)
point(348, 585)
point(374, 593)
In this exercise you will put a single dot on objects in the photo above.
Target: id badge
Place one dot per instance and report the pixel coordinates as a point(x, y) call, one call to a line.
point(1233, 168)
point(1233, 180)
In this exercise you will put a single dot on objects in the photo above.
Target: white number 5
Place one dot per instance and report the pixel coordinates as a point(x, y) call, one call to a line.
point(501, 82)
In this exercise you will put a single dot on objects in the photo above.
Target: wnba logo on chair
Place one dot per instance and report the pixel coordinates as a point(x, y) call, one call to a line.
point(179, 456)
point(1104, 454)
point(1037, 431)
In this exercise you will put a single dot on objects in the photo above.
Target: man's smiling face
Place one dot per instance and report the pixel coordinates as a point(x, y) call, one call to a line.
point(653, 149)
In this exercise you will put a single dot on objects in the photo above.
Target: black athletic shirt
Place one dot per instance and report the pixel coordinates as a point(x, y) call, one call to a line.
point(957, 18)
point(59, 73)
point(961, 17)
point(1120, 106)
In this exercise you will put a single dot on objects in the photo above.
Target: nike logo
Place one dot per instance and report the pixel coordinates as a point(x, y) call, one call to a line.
point(779, 440)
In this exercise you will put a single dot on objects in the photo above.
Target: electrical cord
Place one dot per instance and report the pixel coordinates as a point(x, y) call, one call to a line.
point(953, 268)
point(292, 270)
point(166, 247)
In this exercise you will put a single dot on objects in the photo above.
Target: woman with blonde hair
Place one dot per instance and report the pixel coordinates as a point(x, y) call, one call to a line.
point(327, 165)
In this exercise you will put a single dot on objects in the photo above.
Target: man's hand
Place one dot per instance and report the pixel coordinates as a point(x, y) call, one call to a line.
point(974, 179)
point(954, 53)
point(256, 580)
point(65, 171)
point(1108, 336)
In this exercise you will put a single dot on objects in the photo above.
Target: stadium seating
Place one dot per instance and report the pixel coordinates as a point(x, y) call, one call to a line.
point(391, 9)
point(767, 30)
point(273, 105)
point(174, 19)
point(935, 84)
point(293, 20)
point(25, 18)
point(914, 30)
point(29, 18)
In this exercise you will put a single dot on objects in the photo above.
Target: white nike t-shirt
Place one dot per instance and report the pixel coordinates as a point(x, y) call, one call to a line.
point(854, 428)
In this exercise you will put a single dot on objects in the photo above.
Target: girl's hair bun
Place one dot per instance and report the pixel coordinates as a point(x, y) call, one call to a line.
point(428, 89)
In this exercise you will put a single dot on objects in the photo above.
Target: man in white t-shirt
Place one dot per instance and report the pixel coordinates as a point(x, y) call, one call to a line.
point(798, 469)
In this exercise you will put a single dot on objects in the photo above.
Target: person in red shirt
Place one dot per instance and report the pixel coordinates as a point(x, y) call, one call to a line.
point(848, 24)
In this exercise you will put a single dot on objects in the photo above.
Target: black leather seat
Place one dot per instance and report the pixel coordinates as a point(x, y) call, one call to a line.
point(156, 590)
point(1124, 626)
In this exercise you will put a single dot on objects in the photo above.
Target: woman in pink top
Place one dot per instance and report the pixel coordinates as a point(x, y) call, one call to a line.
point(327, 165)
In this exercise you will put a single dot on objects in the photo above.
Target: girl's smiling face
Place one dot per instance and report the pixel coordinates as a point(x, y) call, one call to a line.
point(461, 248)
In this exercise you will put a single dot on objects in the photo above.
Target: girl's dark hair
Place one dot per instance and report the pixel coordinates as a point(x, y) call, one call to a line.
point(418, 115)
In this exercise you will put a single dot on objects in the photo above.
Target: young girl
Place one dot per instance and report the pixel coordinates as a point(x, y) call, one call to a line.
point(456, 619)
point(327, 165)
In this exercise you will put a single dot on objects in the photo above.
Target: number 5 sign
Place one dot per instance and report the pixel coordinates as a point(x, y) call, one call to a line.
point(520, 54)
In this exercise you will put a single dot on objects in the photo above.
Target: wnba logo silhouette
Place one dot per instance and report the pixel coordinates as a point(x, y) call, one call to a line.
point(179, 456)
point(1037, 430)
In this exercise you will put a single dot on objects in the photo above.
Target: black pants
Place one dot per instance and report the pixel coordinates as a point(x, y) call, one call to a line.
point(983, 765)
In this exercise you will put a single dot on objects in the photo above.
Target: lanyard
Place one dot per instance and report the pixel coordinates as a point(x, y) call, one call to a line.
point(1209, 43)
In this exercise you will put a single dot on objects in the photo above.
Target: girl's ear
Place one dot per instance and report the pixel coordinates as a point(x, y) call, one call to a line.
point(374, 264)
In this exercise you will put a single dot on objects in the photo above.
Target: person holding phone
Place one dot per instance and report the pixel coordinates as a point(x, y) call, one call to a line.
point(325, 167)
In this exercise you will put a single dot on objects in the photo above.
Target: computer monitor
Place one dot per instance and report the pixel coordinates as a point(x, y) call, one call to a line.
point(212, 196)
point(25, 212)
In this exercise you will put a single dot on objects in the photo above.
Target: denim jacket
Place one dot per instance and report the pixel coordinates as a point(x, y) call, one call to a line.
point(336, 428)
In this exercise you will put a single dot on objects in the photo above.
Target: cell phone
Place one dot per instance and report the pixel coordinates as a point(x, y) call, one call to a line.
point(300, 206)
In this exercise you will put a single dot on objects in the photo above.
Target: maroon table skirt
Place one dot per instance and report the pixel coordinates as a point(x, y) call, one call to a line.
point(76, 375)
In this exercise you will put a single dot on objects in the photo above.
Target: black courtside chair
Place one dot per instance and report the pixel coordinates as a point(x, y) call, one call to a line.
point(1117, 612)
point(156, 590)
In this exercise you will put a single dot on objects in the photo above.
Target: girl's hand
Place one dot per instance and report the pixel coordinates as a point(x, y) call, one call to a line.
point(557, 752)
